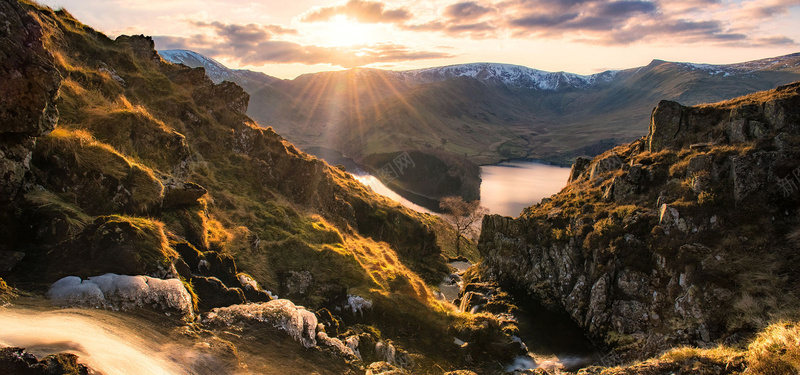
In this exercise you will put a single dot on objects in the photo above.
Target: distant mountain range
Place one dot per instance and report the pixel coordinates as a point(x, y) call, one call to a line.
point(485, 111)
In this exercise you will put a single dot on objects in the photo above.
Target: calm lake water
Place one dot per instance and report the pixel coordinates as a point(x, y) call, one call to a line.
point(377, 186)
point(509, 187)
point(506, 189)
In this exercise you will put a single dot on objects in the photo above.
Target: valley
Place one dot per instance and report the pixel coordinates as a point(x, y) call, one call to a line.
point(484, 112)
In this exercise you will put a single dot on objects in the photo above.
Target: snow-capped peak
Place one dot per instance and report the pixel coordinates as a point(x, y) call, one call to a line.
point(214, 69)
point(511, 75)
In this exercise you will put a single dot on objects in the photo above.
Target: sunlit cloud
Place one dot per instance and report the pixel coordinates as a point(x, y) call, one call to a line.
point(254, 44)
point(359, 10)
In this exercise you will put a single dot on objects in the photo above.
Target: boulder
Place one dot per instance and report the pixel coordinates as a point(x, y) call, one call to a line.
point(752, 172)
point(606, 164)
point(212, 293)
point(665, 125)
point(116, 244)
point(181, 193)
point(17, 361)
point(578, 168)
point(296, 283)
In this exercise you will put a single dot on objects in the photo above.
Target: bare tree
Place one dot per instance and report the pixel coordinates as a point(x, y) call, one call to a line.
point(463, 216)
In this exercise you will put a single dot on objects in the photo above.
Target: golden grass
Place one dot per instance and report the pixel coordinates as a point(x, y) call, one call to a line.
point(776, 350)
point(81, 146)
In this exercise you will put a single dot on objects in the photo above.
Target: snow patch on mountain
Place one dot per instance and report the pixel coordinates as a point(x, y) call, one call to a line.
point(215, 70)
point(773, 63)
point(511, 75)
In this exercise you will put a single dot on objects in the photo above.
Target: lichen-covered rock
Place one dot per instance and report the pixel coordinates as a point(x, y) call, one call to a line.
point(578, 168)
point(665, 125)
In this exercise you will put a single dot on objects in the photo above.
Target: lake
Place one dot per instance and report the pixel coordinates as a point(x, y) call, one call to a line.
point(506, 189)
point(509, 187)
point(377, 186)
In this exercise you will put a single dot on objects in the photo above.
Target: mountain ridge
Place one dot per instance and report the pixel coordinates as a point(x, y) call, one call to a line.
point(491, 70)
point(522, 112)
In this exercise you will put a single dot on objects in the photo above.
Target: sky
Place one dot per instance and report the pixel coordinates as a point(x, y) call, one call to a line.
point(286, 38)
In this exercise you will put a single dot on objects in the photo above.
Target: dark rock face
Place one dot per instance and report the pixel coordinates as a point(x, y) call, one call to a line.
point(16, 361)
point(29, 81)
point(115, 244)
point(211, 293)
point(15, 157)
point(29, 84)
point(103, 181)
point(643, 249)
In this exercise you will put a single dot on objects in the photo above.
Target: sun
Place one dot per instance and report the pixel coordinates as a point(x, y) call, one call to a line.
point(341, 31)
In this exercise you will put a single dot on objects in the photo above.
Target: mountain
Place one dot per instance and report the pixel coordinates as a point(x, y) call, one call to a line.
point(686, 237)
point(216, 71)
point(487, 112)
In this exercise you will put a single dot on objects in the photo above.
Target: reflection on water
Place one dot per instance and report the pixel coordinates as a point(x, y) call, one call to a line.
point(506, 188)
point(509, 187)
point(377, 186)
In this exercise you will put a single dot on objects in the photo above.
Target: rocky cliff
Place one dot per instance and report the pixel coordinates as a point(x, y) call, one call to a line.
point(684, 237)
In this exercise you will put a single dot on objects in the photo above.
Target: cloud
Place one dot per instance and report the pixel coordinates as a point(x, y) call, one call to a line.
point(470, 19)
point(766, 9)
point(612, 22)
point(469, 10)
point(360, 10)
point(624, 8)
point(254, 44)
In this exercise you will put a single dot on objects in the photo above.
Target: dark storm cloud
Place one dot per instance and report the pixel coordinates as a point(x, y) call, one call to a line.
point(542, 21)
point(254, 44)
point(623, 8)
point(361, 10)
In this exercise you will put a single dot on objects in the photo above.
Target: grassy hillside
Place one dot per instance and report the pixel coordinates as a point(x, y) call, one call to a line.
point(150, 168)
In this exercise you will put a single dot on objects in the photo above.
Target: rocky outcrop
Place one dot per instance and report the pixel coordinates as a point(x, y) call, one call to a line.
point(118, 244)
point(746, 119)
point(29, 81)
point(651, 244)
point(18, 361)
